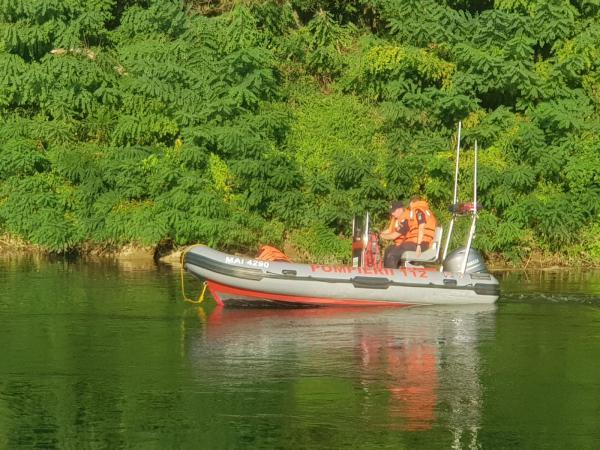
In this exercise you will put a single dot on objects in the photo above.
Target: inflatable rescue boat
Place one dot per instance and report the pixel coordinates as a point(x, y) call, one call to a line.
point(431, 277)
point(239, 281)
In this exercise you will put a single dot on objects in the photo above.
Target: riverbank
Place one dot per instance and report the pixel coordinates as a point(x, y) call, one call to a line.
point(144, 256)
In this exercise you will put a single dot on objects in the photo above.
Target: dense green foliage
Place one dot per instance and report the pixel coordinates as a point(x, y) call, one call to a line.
point(237, 123)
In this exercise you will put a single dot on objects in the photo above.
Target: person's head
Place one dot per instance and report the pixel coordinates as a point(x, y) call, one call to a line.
point(397, 209)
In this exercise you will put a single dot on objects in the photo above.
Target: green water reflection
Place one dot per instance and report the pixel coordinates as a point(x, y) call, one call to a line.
point(104, 356)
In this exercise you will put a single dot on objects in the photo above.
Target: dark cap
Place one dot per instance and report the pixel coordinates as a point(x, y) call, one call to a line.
point(395, 205)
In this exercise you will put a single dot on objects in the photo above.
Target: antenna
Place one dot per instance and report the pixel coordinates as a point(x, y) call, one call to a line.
point(455, 198)
point(365, 240)
point(474, 212)
point(475, 180)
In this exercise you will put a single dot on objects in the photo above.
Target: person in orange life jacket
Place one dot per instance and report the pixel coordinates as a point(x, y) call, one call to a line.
point(411, 229)
point(396, 231)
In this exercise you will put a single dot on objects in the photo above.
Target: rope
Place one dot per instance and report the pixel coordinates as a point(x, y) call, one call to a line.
point(181, 273)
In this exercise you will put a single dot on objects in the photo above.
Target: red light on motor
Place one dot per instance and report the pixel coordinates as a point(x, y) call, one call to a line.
point(463, 208)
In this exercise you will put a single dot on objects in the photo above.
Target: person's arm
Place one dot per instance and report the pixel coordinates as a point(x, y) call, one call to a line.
point(420, 236)
point(391, 232)
point(421, 231)
point(389, 235)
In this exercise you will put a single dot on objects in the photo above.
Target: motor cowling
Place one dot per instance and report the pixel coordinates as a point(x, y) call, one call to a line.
point(454, 261)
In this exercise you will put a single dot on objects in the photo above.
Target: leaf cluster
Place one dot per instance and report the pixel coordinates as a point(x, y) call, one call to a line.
point(242, 123)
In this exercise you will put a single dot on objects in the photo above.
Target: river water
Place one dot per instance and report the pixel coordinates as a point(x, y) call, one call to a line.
point(103, 356)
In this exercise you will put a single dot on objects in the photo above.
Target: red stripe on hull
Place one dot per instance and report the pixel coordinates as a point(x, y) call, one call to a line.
point(217, 290)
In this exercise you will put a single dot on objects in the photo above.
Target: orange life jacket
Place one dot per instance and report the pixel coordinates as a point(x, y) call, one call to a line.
point(413, 224)
point(268, 253)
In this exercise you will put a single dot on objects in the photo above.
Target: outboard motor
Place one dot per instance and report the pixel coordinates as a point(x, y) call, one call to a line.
point(454, 261)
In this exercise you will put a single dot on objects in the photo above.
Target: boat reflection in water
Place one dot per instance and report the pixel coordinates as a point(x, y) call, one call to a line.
point(429, 362)
point(409, 369)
